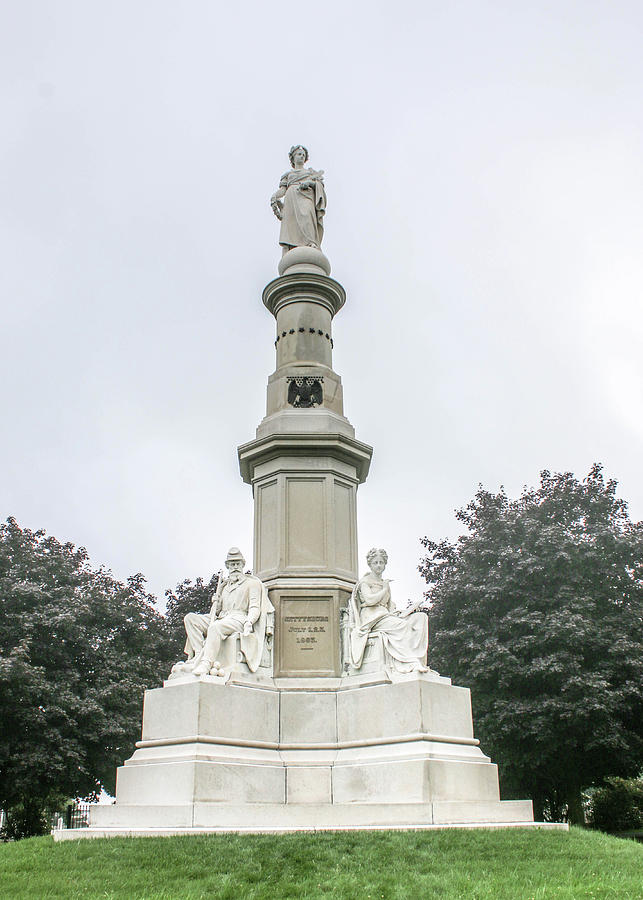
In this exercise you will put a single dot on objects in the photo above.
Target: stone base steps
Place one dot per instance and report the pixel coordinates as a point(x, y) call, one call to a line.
point(205, 818)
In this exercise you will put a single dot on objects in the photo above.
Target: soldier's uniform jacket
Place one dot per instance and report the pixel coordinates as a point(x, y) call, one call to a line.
point(241, 600)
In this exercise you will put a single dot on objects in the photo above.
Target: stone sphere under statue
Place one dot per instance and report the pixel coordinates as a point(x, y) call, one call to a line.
point(304, 259)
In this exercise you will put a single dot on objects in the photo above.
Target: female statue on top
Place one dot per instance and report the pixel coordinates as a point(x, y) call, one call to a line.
point(300, 203)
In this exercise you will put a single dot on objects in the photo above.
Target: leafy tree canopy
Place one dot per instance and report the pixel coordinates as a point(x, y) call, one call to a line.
point(187, 597)
point(539, 609)
point(77, 650)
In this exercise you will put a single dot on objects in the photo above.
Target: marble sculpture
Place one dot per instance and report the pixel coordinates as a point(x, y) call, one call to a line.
point(240, 607)
point(404, 634)
point(300, 203)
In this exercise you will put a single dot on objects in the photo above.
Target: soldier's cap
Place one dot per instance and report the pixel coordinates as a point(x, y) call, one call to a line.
point(233, 554)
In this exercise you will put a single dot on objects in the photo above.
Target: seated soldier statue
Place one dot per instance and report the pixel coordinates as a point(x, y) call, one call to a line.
point(240, 606)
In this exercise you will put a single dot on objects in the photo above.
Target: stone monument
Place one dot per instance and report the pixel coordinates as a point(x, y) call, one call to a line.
point(305, 700)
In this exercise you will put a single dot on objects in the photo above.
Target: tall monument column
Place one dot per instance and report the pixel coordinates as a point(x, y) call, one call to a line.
point(305, 465)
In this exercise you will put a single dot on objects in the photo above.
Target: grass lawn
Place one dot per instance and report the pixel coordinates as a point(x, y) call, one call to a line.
point(512, 864)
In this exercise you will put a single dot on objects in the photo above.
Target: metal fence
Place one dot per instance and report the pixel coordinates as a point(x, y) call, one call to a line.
point(74, 815)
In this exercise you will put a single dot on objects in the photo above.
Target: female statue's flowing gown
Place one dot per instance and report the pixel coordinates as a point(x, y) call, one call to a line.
point(303, 209)
point(405, 639)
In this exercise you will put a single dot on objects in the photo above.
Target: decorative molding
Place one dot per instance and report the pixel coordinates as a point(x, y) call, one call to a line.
point(335, 745)
point(305, 391)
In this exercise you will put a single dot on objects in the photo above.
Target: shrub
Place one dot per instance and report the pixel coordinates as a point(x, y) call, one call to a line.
point(617, 805)
point(24, 820)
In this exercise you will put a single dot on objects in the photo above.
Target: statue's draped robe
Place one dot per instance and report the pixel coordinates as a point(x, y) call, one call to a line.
point(405, 639)
point(303, 210)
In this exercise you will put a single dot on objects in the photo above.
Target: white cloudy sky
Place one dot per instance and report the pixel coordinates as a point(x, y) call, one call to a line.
point(484, 174)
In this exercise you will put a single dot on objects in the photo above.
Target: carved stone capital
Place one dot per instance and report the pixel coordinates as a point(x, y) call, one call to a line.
point(304, 287)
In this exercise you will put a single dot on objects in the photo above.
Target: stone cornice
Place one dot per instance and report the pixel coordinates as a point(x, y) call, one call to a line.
point(304, 287)
point(303, 444)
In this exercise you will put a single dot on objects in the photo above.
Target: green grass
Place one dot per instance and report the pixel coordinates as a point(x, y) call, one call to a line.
point(353, 865)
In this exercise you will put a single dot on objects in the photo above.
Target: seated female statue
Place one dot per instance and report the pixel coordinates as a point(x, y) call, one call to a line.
point(404, 635)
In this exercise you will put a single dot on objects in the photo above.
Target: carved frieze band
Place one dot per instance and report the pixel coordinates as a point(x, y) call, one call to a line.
point(303, 331)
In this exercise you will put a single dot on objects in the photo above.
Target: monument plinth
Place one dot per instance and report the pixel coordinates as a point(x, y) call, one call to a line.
point(306, 700)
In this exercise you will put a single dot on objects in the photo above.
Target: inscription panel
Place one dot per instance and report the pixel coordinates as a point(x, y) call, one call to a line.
point(307, 637)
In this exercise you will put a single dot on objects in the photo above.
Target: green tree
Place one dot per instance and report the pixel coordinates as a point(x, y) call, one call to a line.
point(187, 596)
point(77, 650)
point(539, 609)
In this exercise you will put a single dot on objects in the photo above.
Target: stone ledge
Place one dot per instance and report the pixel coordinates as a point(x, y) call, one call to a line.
point(273, 446)
point(278, 819)
point(330, 745)
point(75, 834)
point(304, 287)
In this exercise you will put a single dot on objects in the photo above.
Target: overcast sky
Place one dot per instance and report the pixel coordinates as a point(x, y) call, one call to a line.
point(485, 215)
